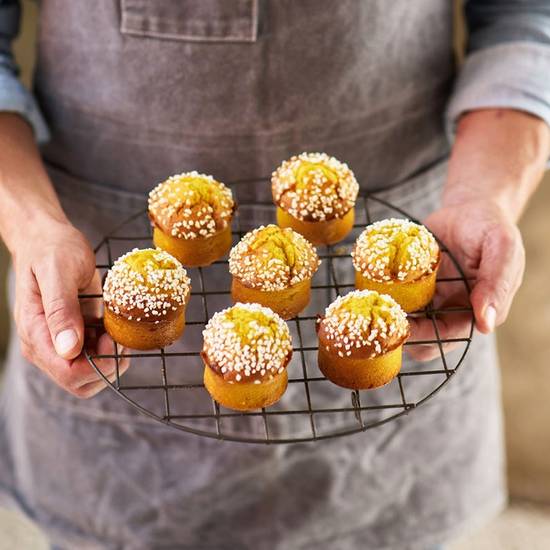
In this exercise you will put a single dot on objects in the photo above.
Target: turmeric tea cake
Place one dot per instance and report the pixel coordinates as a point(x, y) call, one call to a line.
point(191, 215)
point(399, 258)
point(273, 267)
point(361, 339)
point(315, 195)
point(145, 295)
point(247, 348)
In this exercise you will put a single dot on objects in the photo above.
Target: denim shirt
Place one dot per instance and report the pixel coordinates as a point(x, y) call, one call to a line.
point(507, 63)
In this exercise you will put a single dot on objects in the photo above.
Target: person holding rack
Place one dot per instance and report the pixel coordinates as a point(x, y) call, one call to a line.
point(128, 92)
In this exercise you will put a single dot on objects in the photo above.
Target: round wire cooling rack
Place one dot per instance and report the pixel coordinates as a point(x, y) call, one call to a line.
point(167, 386)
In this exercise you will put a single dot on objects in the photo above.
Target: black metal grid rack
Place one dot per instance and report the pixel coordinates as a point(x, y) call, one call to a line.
point(313, 408)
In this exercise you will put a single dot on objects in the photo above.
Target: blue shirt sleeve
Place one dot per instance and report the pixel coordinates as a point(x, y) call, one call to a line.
point(14, 97)
point(508, 59)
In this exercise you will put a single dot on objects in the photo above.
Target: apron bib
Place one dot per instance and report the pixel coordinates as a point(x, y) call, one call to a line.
point(136, 90)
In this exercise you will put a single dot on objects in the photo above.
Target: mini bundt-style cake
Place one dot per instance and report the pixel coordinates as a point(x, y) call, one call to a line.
point(399, 258)
point(247, 348)
point(273, 267)
point(361, 339)
point(145, 296)
point(191, 215)
point(315, 195)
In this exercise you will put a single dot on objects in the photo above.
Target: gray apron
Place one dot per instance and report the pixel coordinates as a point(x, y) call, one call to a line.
point(135, 90)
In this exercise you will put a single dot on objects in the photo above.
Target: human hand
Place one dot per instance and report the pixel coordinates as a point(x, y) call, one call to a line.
point(53, 263)
point(497, 160)
point(488, 247)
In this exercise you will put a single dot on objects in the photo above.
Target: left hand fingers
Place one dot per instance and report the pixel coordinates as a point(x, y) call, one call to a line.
point(450, 326)
point(450, 305)
point(498, 277)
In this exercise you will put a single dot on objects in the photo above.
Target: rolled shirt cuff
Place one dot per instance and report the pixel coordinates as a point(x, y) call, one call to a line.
point(15, 98)
point(514, 75)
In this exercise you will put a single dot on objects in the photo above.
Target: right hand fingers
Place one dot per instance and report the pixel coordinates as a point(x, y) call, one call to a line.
point(76, 376)
point(89, 382)
point(59, 283)
point(44, 308)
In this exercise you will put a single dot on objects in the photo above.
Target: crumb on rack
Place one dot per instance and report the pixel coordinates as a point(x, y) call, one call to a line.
point(191, 205)
point(247, 342)
point(271, 258)
point(314, 187)
point(395, 249)
point(363, 319)
point(146, 285)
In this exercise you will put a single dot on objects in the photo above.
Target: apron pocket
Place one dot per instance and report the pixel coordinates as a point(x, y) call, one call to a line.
point(191, 20)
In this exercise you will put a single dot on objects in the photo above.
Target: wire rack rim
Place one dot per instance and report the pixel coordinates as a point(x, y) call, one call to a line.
point(403, 406)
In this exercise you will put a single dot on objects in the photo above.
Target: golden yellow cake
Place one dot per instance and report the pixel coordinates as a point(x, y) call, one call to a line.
point(191, 215)
point(399, 258)
point(145, 295)
point(315, 195)
point(273, 267)
point(361, 339)
point(247, 348)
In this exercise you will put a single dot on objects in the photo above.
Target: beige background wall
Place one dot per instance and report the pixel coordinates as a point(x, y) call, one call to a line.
point(524, 341)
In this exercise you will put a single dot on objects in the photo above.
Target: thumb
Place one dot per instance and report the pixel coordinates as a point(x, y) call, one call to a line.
point(499, 276)
point(59, 289)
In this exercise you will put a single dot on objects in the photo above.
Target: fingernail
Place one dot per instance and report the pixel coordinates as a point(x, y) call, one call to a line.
point(65, 341)
point(120, 349)
point(491, 317)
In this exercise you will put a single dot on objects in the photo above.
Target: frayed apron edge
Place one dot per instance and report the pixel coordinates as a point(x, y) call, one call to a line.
point(458, 531)
point(10, 500)
point(467, 527)
point(490, 510)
